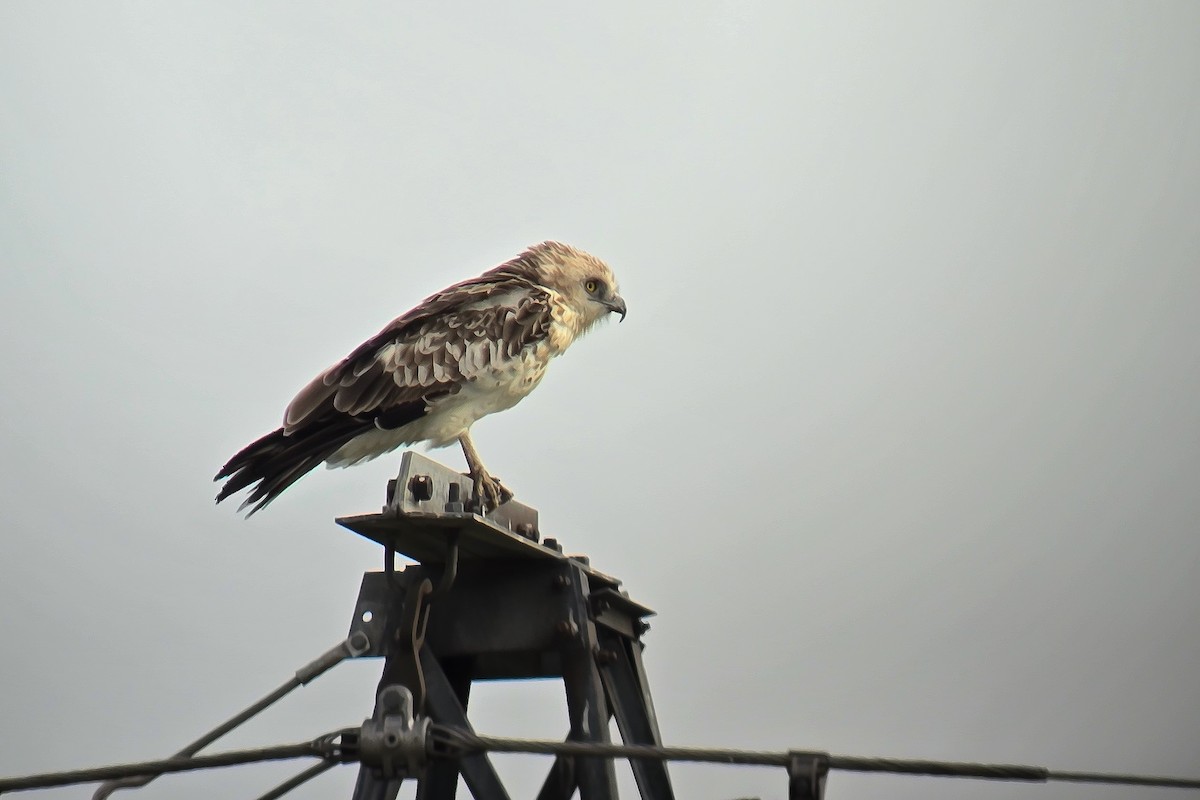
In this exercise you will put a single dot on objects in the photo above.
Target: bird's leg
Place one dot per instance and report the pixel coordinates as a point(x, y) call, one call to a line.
point(489, 492)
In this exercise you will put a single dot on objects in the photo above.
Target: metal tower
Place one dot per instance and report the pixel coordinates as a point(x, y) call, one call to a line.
point(488, 601)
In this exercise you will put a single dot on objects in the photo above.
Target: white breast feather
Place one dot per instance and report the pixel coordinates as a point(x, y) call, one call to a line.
point(496, 387)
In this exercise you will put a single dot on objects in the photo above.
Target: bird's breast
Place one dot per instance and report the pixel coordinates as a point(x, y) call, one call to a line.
point(507, 381)
point(496, 388)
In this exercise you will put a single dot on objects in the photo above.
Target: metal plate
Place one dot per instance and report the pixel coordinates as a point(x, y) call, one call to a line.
point(426, 509)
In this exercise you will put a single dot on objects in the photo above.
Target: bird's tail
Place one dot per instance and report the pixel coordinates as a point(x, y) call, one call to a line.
point(279, 459)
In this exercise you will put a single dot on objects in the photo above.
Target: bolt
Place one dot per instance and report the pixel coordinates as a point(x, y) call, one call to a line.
point(561, 582)
point(421, 487)
point(605, 656)
point(566, 627)
point(553, 544)
point(527, 530)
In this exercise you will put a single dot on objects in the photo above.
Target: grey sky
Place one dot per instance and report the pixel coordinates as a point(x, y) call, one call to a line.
point(901, 436)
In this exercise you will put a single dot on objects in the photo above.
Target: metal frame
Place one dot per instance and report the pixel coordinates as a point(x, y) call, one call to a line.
point(489, 602)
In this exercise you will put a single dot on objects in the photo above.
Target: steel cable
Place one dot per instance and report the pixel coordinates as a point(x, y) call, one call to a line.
point(322, 747)
point(468, 743)
point(454, 743)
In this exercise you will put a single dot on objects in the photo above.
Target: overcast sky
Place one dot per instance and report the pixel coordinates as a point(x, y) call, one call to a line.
point(900, 438)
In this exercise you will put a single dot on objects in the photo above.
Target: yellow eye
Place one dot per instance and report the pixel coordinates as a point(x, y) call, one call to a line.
point(591, 286)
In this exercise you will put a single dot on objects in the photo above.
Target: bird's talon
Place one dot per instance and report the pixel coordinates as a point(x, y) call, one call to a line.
point(490, 493)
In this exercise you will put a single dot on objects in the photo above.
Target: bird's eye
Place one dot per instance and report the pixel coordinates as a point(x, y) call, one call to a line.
point(591, 286)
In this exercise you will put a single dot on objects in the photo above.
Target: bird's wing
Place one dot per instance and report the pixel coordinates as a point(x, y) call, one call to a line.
point(429, 352)
point(389, 380)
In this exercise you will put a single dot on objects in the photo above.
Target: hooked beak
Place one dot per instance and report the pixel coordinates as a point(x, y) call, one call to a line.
point(616, 303)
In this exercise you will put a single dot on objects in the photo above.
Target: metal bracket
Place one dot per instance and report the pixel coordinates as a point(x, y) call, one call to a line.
point(806, 775)
point(425, 501)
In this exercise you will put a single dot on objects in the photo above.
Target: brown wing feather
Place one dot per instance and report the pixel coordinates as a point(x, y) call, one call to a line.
point(449, 309)
point(390, 380)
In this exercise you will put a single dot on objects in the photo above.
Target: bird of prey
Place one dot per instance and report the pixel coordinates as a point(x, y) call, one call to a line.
point(470, 350)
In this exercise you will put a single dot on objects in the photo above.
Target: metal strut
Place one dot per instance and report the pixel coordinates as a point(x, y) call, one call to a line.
point(356, 644)
point(806, 775)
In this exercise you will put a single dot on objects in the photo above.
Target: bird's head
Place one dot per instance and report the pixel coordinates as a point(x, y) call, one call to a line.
point(584, 281)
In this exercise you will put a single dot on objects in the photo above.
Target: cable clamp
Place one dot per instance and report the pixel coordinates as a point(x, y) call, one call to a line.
point(394, 741)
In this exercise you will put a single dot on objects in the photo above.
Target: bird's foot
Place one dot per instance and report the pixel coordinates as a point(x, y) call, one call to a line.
point(490, 493)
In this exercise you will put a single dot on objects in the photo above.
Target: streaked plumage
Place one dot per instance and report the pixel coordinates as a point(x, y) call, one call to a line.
point(471, 350)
